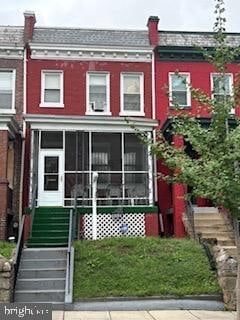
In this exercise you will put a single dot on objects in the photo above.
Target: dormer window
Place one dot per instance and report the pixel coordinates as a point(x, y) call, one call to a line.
point(98, 93)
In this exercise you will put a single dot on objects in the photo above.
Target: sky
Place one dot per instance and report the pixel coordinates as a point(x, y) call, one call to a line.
point(192, 15)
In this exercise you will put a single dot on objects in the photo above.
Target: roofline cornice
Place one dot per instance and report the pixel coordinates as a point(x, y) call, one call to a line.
point(105, 53)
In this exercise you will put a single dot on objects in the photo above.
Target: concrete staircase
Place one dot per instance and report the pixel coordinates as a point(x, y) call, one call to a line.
point(41, 276)
point(213, 225)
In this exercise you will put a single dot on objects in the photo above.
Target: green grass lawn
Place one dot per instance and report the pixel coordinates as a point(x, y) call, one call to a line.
point(141, 267)
point(6, 249)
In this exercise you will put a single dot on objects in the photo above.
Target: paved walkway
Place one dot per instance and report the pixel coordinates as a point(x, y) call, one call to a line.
point(144, 315)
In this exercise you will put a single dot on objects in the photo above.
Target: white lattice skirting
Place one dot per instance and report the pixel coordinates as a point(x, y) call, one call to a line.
point(110, 225)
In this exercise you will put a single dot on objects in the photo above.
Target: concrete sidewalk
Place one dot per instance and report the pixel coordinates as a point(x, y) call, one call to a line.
point(144, 315)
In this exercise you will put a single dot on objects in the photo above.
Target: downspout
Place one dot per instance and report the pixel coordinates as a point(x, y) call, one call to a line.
point(23, 131)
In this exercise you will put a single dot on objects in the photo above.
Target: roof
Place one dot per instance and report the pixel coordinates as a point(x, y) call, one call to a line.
point(11, 36)
point(191, 39)
point(89, 37)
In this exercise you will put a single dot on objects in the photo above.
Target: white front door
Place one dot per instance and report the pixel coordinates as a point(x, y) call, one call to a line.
point(50, 181)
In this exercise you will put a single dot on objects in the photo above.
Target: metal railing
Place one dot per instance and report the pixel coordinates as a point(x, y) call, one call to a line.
point(70, 261)
point(33, 205)
point(190, 218)
point(19, 248)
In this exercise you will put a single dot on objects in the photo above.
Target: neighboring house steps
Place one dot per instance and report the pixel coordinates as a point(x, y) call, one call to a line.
point(42, 276)
point(211, 224)
point(50, 228)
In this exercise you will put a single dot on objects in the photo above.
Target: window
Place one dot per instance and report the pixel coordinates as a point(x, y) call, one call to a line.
point(7, 90)
point(179, 90)
point(132, 94)
point(221, 86)
point(98, 93)
point(52, 89)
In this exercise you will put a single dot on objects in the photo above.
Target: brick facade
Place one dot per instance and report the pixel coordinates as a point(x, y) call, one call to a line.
point(3, 183)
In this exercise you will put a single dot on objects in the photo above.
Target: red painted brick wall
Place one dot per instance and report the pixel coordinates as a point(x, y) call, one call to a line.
point(165, 200)
point(199, 76)
point(75, 84)
point(151, 225)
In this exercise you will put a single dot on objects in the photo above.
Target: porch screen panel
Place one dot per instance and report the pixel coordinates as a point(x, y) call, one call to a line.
point(136, 176)
point(51, 139)
point(106, 152)
point(76, 151)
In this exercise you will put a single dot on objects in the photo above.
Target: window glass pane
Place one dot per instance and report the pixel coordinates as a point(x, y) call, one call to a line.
point(6, 78)
point(51, 140)
point(97, 80)
point(131, 84)
point(132, 102)
point(52, 80)
point(135, 154)
point(82, 148)
point(51, 164)
point(106, 151)
point(52, 95)
point(51, 182)
point(179, 97)
point(179, 82)
point(221, 85)
point(5, 100)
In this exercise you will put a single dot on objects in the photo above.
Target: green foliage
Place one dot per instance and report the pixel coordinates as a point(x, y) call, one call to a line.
point(6, 249)
point(214, 170)
point(141, 267)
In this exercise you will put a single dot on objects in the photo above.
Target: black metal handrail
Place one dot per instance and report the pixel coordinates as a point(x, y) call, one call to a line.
point(190, 217)
point(19, 248)
point(33, 205)
point(70, 262)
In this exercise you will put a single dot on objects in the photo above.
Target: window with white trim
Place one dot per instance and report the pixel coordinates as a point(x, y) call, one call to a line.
point(179, 91)
point(98, 93)
point(7, 90)
point(222, 86)
point(132, 94)
point(52, 89)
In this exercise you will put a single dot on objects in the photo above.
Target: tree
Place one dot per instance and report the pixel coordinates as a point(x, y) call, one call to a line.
point(214, 173)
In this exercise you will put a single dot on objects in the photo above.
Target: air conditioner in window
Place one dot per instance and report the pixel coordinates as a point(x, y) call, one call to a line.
point(100, 106)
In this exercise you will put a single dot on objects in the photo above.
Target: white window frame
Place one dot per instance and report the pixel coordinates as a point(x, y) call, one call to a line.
point(13, 108)
point(44, 104)
point(187, 74)
point(134, 112)
point(89, 110)
point(230, 85)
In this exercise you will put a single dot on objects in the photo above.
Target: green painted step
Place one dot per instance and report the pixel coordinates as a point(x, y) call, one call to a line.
point(53, 214)
point(47, 239)
point(52, 226)
point(50, 219)
point(49, 233)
